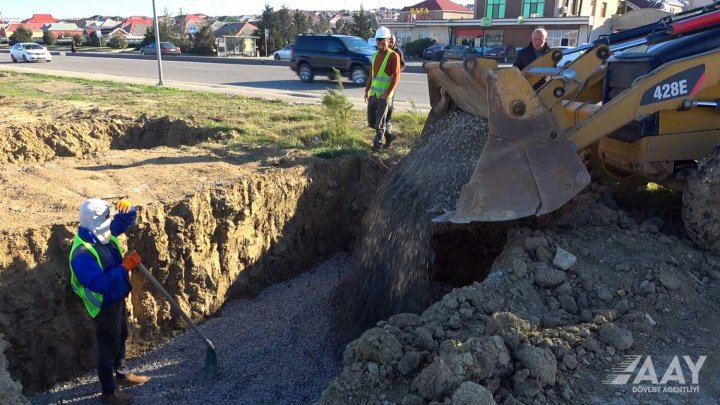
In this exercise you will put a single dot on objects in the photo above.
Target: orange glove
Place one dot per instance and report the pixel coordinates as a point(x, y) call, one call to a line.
point(131, 261)
point(123, 205)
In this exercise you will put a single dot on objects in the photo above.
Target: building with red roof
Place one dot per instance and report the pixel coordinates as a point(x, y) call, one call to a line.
point(435, 10)
point(42, 19)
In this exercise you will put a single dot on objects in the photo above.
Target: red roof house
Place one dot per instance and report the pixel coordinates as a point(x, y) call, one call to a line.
point(41, 19)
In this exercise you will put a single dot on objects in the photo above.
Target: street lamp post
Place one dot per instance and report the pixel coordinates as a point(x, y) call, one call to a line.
point(158, 49)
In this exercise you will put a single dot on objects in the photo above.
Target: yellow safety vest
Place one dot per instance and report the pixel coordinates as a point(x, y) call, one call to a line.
point(92, 300)
point(381, 82)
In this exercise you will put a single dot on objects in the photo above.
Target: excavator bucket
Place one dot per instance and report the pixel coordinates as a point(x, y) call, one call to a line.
point(527, 166)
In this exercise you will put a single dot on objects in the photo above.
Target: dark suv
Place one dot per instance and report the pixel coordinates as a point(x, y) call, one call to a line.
point(319, 53)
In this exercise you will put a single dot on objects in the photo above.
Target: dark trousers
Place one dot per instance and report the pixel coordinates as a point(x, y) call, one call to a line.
point(376, 114)
point(111, 330)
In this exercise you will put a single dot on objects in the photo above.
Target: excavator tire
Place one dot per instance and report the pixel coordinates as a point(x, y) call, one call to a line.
point(701, 203)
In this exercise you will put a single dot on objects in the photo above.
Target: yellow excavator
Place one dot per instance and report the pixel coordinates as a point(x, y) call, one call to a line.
point(645, 101)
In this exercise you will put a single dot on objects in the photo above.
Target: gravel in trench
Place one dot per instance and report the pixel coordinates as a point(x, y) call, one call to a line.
point(274, 349)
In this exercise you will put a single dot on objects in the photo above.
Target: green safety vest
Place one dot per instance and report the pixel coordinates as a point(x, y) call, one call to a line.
point(93, 300)
point(381, 82)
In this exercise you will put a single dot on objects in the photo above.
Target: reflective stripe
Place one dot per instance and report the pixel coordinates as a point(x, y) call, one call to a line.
point(380, 83)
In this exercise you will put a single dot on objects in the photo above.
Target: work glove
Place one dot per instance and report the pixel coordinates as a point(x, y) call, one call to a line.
point(123, 206)
point(131, 261)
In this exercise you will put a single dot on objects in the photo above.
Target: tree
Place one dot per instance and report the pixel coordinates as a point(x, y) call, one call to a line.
point(96, 40)
point(165, 33)
point(300, 23)
point(344, 27)
point(268, 21)
point(21, 34)
point(78, 39)
point(416, 48)
point(321, 25)
point(49, 38)
point(283, 33)
point(118, 41)
point(204, 41)
point(362, 26)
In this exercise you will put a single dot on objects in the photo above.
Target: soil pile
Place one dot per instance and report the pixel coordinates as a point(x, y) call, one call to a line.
point(561, 308)
point(82, 131)
point(393, 259)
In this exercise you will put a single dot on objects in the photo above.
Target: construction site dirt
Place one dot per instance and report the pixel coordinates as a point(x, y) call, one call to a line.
point(274, 255)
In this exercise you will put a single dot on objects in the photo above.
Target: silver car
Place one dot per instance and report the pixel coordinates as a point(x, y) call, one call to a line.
point(29, 52)
point(283, 54)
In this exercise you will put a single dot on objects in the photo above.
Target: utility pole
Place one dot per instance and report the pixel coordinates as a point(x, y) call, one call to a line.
point(158, 49)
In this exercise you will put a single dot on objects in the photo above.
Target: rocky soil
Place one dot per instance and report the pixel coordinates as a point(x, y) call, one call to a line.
point(561, 309)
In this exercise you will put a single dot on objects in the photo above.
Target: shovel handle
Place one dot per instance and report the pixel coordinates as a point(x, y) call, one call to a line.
point(174, 304)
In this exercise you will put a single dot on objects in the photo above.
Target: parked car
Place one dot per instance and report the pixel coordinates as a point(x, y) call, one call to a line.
point(283, 54)
point(460, 52)
point(320, 53)
point(435, 52)
point(502, 53)
point(29, 51)
point(166, 48)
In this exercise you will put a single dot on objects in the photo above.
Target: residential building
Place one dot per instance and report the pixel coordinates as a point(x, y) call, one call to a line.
point(191, 23)
point(237, 39)
point(41, 19)
point(36, 29)
point(63, 29)
point(427, 19)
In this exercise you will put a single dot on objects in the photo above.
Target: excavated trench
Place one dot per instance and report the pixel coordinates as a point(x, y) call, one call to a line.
point(209, 228)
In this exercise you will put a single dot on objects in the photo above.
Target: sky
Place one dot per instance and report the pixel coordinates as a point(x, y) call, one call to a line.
point(83, 8)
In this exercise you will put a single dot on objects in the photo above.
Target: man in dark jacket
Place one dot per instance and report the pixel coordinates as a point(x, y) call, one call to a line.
point(392, 43)
point(537, 48)
point(100, 275)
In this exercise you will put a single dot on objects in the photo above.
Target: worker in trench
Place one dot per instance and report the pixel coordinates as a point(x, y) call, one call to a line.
point(100, 275)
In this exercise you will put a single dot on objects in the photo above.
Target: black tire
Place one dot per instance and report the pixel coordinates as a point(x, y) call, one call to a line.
point(142, 53)
point(358, 75)
point(276, 57)
point(505, 59)
point(701, 203)
point(13, 58)
point(305, 72)
point(25, 59)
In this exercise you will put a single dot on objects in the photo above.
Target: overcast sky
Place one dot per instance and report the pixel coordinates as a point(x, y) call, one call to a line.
point(83, 8)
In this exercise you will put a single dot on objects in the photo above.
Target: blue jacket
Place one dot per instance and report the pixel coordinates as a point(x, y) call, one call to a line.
point(113, 281)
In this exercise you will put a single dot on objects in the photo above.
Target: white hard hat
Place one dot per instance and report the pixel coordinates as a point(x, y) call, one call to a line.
point(383, 32)
point(95, 216)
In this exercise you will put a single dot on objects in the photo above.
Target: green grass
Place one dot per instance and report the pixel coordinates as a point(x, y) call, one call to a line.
point(257, 122)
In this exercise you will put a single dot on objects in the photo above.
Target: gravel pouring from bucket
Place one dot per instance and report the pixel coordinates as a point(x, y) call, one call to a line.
point(211, 362)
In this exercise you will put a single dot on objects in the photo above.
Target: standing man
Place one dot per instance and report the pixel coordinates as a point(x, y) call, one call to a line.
point(100, 276)
point(392, 44)
point(382, 82)
point(537, 48)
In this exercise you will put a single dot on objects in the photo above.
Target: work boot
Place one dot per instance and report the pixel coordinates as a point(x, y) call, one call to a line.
point(376, 147)
point(126, 380)
point(116, 398)
point(389, 138)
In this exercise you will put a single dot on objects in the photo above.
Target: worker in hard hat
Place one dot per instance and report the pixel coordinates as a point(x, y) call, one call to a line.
point(100, 275)
point(382, 82)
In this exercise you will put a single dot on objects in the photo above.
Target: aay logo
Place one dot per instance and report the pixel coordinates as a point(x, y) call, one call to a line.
point(646, 379)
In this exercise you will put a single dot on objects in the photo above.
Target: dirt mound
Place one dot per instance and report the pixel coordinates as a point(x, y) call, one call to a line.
point(393, 259)
point(560, 309)
point(71, 131)
point(10, 390)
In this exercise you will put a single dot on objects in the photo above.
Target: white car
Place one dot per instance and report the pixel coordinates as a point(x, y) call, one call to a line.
point(283, 54)
point(28, 52)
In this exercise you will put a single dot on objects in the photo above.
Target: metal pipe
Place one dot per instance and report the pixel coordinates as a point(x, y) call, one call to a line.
point(158, 49)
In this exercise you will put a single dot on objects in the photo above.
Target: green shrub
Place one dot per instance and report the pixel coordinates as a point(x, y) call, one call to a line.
point(118, 41)
point(416, 48)
point(338, 108)
point(78, 39)
point(49, 38)
point(21, 34)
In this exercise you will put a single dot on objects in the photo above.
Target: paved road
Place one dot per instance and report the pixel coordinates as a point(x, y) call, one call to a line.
point(252, 79)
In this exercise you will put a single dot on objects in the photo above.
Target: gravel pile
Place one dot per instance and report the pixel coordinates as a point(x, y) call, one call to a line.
point(561, 308)
point(273, 349)
point(392, 260)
